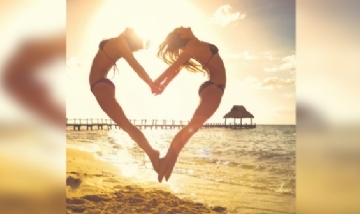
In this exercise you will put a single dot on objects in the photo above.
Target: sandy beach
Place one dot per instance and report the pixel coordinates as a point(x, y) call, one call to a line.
point(94, 186)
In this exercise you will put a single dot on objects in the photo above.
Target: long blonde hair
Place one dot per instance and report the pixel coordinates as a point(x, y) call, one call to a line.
point(170, 49)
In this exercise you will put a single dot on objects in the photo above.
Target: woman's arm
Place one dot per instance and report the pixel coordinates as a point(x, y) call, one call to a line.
point(172, 71)
point(170, 78)
point(167, 76)
point(165, 79)
point(127, 54)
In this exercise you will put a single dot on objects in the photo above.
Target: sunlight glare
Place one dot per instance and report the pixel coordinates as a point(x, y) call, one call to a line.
point(129, 170)
point(151, 20)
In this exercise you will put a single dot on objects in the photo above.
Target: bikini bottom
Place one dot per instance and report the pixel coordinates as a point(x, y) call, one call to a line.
point(104, 80)
point(208, 83)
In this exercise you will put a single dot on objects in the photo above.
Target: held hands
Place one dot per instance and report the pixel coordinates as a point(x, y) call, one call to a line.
point(162, 81)
point(156, 88)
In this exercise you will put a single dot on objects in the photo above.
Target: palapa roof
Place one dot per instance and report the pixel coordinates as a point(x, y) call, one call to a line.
point(238, 111)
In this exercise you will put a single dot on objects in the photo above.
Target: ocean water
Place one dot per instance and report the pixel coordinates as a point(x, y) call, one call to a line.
point(245, 170)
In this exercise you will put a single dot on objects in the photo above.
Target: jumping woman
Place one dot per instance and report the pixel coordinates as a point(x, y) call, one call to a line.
point(111, 50)
point(181, 49)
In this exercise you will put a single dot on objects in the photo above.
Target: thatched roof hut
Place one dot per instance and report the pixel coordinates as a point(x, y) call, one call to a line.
point(238, 111)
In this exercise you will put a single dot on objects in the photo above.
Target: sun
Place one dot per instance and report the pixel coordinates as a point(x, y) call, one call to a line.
point(151, 20)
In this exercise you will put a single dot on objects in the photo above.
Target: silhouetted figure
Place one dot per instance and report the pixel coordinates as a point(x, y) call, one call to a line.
point(111, 50)
point(180, 49)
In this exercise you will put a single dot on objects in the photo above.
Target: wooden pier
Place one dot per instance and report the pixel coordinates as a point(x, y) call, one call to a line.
point(107, 124)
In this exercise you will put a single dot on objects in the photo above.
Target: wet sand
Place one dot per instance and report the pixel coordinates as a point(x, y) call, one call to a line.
point(94, 186)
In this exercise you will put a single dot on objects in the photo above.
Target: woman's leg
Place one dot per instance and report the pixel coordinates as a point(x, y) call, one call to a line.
point(105, 95)
point(210, 99)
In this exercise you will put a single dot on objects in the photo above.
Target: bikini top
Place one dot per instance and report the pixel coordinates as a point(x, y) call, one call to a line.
point(101, 46)
point(214, 50)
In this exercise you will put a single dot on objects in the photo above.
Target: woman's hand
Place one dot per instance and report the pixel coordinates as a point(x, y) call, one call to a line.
point(165, 78)
point(156, 88)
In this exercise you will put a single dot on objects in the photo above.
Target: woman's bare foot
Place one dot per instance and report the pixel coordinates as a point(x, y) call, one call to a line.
point(161, 169)
point(167, 165)
point(155, 159)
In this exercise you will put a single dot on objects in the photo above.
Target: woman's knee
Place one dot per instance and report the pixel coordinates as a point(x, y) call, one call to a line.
point(128, 127)
point(193, 127)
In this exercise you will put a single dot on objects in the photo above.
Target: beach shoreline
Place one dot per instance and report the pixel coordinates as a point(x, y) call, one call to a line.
point(250, 176)
point(95, 186)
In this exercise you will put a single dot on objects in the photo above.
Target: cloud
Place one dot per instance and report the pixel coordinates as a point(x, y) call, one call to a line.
point(269, 55)
point(245, 55)
point(269, 83)
point(288, 63)
point(223, 16)
point(248, 56)
point(234, 56)
point(275, 82)
point(251, 80)
point(272, 69)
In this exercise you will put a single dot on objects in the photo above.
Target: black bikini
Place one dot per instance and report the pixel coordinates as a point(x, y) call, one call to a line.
point(101, 47)
point(208, 83)
point(214, 50)
point(105, 80)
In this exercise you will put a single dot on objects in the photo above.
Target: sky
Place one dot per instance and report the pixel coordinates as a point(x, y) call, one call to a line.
point(256, 40)
point(328, 45)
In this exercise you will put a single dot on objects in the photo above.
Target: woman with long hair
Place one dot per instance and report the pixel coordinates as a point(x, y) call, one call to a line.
point(181, 49)
point(111, 50)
